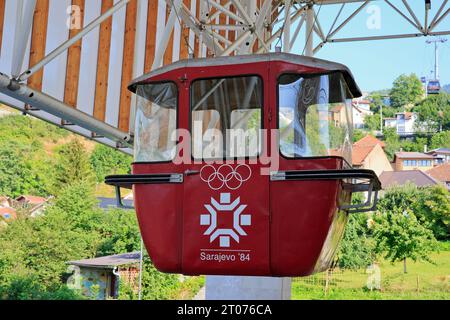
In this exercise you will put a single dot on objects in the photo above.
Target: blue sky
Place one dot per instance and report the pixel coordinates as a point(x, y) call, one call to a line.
point(375, 64)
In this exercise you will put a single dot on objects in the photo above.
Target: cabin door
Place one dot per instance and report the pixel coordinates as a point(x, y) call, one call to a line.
point(226, 189)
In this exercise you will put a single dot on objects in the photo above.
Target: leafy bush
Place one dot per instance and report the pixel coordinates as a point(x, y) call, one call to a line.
point(106, 161)
point(356, 248)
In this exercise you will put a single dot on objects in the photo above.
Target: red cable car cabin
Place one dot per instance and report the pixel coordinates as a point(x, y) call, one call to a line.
point(243, 164)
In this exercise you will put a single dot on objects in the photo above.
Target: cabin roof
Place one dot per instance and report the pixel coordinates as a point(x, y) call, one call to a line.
point(254, 58)
point(108, 262)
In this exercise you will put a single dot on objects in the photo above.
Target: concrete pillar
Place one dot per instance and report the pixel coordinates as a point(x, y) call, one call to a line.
point(247, 288)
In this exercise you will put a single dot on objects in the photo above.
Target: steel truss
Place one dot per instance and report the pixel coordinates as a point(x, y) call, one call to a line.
point(248, 28)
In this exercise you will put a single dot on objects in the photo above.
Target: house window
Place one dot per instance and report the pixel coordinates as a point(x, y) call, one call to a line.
point(413, 163)
point(406, 163)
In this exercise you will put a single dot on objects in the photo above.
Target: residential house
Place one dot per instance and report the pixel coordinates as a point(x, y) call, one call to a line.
point(34, 205)
point(441, 173)
point(102, 276)
point(360, 109)
point(368, 153)
point(337, 114)
point(441, 155)
point(403, 122)
point(400, 178)
point(412, 161)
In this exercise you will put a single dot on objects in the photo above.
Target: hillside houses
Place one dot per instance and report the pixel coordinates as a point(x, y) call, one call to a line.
point(360, 109)
point(403, 122)
point(421, 169)
point(31, 205)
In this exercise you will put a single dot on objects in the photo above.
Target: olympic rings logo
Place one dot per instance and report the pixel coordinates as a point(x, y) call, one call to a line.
point(225, 176)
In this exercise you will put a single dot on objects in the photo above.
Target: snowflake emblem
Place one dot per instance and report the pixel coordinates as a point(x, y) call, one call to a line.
point(239, 220)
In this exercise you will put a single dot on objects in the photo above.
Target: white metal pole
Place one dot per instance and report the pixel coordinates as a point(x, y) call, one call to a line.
point(141, 257)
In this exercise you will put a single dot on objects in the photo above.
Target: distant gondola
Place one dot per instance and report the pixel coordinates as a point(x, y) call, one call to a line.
point(433, 87)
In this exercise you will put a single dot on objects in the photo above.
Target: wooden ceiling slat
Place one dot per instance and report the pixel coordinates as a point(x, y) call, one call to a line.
point(150, 42)
point(104, 49)
point(184, 39)
point(127, 65)
point(73, 61)
point(169, 50)
point(38, 42)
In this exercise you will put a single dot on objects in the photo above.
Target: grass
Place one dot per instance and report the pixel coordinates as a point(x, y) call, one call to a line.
point(423, 280)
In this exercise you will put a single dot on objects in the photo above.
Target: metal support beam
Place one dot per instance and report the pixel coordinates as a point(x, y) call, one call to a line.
point(309, 34)
point(57, 108)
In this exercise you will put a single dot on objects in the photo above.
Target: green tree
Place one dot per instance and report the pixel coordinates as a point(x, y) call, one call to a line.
point(72, 166)
point(406, 89)
point(434, 112)
point(17, 174)
point(356, 247)
point(432, 207)
point(121, 232)
point(372, 122)
point(392, 142)
point(399, 235)
point(106, 161)
point(358, 134)
point(440, 140)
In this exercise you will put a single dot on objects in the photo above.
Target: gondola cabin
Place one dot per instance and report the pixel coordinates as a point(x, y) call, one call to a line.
point(433, 87)
point(243, 164)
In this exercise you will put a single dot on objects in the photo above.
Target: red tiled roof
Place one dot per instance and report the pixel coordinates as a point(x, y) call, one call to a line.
point(408, 115)
point(369, 141)
point(417, 177)
point(360, 153)
point(441, 173)
point(32, 199)
point(363, 147)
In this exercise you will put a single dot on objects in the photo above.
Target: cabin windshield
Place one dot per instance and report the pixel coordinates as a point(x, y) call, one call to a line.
point(314, 116)
point(156, 122)
point(226, 116)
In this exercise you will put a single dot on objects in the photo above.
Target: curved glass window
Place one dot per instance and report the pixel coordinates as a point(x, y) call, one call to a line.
point(156, 122)
point(226, 116)
point(314, 116)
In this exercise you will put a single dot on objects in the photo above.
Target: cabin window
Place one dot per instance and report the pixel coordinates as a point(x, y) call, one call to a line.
point(314, 116)
point(156, 122)
point(226, 117)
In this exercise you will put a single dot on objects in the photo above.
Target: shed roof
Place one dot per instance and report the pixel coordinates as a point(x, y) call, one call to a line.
point(108, 262)
point(413, 155)
point(441, 173)
point(417, 177)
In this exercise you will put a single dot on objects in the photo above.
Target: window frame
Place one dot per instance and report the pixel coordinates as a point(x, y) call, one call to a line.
point(177, 120)
point(191, 97)
point(277, 111)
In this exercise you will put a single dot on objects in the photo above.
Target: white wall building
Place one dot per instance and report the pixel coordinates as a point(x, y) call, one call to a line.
point(361, 109)
point(403, 122)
